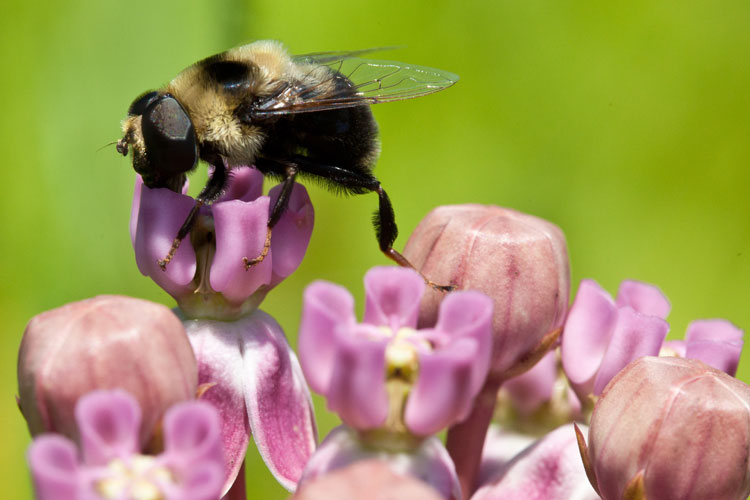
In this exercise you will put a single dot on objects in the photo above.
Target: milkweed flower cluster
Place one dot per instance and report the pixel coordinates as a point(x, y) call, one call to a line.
point(167, 401)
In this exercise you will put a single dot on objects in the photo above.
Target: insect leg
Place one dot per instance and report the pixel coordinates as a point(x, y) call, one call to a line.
point(210, 193)
point(290, 173)
point(384, 218)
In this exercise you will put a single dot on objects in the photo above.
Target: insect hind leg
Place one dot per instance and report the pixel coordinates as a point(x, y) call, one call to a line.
point(384, 219)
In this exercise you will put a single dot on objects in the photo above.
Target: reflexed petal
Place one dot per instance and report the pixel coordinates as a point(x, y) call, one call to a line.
point(550, 468)
point(634, 336)
point(587, 333)
point(325, 307)
point(108, 423)
point(240, 232)
point(217, 350)
point(392, 297)
point(54, 468)
point(192, 433)
point(291, 234)
point(718, 330)
point(644, 298)
point(500, 446)
point(356, 390)
point(469, 314)
point(442, 393)
point(160, 216)
point(278, 402)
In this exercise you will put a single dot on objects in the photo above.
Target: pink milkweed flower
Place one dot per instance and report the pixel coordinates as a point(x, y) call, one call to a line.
point(207, 275)
point(601, 336)
point(670, 428)
point(111, 465)
point(716, 342)
point(257, 385)
point(105, 342)
point(548, 468)
point(384, 372)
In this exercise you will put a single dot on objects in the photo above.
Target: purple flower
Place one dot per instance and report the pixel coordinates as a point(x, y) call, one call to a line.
point(668, 428)
point(549, 468)
point(111, 464)
point(256, 384)
point(207, 275)
point(601, 336)
point(384, 373)
point(716, 342)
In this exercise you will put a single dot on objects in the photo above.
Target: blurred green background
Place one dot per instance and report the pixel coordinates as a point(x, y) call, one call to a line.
point(627, 125)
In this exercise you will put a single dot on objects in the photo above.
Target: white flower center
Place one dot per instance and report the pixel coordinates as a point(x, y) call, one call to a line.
point(140, 478)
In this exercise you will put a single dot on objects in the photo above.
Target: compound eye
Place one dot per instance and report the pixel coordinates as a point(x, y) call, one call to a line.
point(141, 103)
point(169, 137)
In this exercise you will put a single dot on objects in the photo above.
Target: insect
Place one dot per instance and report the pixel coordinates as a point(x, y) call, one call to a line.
point(289, 116)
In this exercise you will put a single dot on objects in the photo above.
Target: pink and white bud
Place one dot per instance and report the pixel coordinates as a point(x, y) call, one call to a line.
point(670, 428)
point(106, 342)
point(518, 260)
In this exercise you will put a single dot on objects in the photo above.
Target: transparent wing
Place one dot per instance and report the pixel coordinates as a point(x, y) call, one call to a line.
point(351, 81)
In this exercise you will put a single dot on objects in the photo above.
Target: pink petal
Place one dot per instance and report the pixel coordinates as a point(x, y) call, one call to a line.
point(442, 394)
point(192, 432)
point(718, 330)
point(500, 446)
point(217, 351)
point(469, 314)
point(356, 390)
point(54, 468)
point(292, 233)
point(587, 333)
point(716, 342)
point(201, 483)
point(245, 184)
point(278, 401)
point(240, 232)
point(551, 468)
point(108, 423)
point(529, 390)
point(644, 298)
point(160, 215)
point(325, 306)
point(634, 336)
point(392, 297)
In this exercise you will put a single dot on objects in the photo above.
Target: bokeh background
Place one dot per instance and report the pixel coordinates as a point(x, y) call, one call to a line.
point(627, 125)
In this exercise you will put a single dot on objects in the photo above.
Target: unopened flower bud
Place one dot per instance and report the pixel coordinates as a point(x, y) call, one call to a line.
point(669, 428)
point(519, 260)
point(106, 342)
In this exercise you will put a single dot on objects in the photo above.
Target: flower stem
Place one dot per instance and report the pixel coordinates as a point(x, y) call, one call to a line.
point(466, 439)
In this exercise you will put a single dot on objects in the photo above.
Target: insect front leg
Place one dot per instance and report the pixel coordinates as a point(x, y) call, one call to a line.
point(211, 192)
